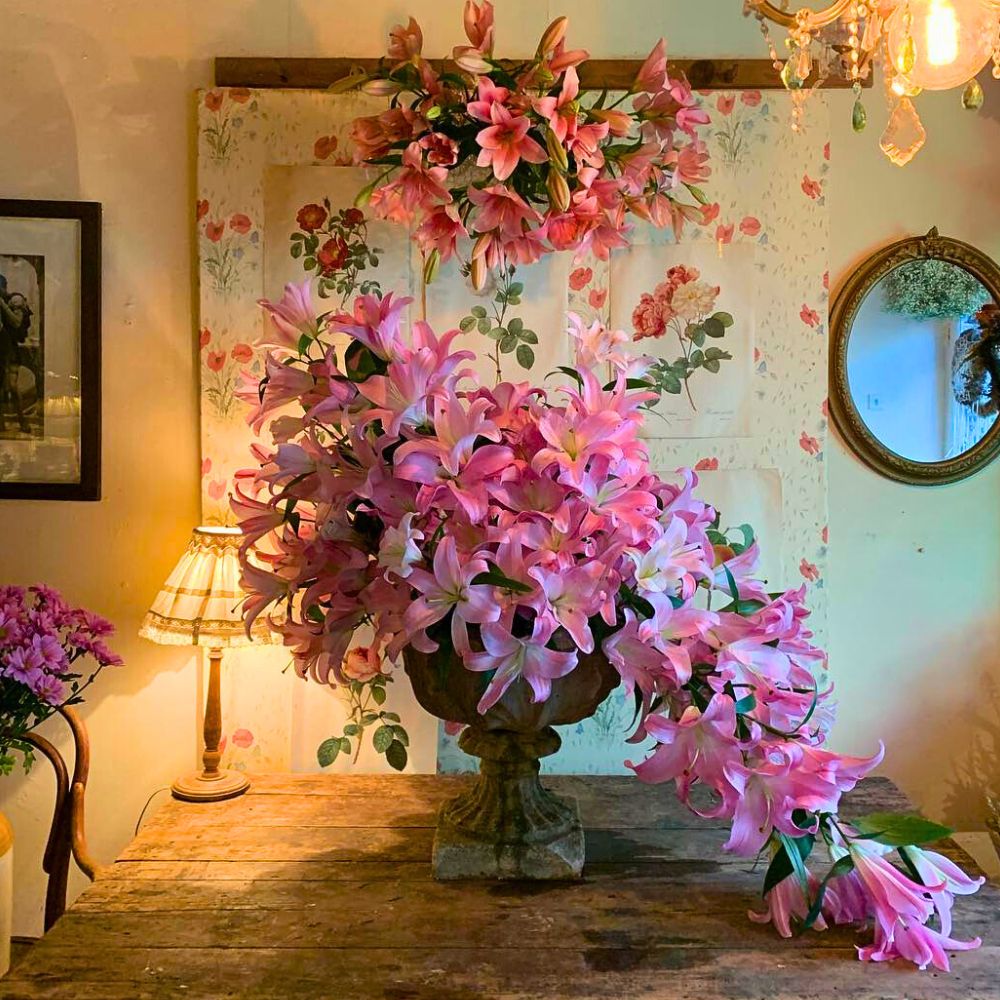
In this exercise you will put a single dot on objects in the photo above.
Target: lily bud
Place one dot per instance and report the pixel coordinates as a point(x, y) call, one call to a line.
point(364, 196)
point(558, 191)
point(552, 36)
point(478, 272)
point(431, 264)
point(347, 83)
point(556, 151)
point(381, 88)
point(471, 61)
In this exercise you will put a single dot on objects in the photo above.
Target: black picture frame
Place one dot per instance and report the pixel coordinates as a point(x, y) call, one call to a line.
point(88, 215)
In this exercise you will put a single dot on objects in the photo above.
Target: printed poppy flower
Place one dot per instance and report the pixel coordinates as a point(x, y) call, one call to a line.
point(217, 489)
point(213, 100)
point(332, 255)
point(825, 407)
point(809, 570)
point(206, 466)
point(724, 234)
point(325, 146)
point(826, 280)
point(243, 739)
point(214, 230)
point(707, 465)
point(311, 217)
point(204, 337)
point(725, 104)
point(751, 98)
point(826, 151)
point(808, 444)
point(240, 223)
point(242, 353)
point(580, 278)
point(812, 189)
point(750, 226)
point(709, 213)
point(239, 94)
point(809, 316)
point(215, 360)
point(201, 209)
point(597, 298)
point(825, 535)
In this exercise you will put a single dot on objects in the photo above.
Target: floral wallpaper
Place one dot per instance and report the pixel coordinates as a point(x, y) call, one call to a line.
point(768, 207)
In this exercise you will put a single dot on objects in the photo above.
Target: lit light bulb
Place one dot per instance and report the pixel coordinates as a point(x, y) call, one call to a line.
point(942, 33)
point(952, 39)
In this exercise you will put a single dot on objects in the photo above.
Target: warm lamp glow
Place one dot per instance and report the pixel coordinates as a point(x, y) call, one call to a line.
point(952, 39)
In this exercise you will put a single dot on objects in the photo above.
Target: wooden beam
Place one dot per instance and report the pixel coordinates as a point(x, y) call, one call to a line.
point(595, 74)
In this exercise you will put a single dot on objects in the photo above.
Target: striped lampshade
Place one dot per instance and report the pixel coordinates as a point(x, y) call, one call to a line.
point(200, 602)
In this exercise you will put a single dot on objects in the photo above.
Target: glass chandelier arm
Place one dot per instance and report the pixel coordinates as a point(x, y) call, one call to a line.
point(813, 19)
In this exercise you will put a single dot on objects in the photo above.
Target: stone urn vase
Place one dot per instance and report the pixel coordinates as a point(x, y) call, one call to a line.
point(507, 825)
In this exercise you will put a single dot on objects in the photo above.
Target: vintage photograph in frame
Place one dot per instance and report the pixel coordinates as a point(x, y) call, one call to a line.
point(50, 350)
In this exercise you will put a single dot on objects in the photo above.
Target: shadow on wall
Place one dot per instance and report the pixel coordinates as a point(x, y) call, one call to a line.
point(950, 743)
point(976, 772)
point(53, 137)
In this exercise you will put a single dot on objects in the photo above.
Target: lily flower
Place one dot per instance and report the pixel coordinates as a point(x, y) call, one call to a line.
point(510, 658)
point(506, 142)
point(449, 589)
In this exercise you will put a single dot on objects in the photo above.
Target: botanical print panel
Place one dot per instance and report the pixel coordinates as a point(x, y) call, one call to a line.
point(690, 306)
point(536, 302)
point(312, 229)
point(749, 497)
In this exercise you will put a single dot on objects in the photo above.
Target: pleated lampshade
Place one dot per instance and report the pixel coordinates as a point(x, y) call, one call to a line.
point(200, 602)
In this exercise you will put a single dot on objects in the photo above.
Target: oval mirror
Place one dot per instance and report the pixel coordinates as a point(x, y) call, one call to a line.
point(915, 360)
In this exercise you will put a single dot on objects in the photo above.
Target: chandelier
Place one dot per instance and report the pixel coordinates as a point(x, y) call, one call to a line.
point(917, 45)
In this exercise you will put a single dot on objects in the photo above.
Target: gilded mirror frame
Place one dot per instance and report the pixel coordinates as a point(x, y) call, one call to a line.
point(845, 415)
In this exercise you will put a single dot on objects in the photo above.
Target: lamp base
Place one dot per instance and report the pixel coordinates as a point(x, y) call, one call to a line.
point(222, 785)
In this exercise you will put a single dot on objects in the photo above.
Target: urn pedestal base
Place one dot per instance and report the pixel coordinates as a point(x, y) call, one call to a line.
point(507, 826)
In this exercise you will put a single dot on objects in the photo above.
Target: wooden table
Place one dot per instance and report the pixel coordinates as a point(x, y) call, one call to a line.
point(315, 886)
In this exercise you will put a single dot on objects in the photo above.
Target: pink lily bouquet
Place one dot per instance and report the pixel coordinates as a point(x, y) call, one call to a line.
point(509, 156)
point(518, 531)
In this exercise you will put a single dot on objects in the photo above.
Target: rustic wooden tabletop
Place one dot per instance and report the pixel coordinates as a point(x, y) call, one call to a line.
point(315, 886)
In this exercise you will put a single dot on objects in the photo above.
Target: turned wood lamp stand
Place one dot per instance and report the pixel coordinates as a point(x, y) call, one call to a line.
point(212, 783)
point(200, 605)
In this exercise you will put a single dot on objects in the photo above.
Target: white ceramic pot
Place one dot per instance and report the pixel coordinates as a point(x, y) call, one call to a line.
point(6, 890)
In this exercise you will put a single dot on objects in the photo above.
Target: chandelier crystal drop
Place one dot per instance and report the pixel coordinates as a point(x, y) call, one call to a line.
point(916, 45)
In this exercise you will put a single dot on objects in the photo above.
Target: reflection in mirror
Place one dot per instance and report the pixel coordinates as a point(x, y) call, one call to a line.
point(920, 363)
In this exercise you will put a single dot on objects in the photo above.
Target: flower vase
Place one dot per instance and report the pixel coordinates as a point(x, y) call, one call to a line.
point(507, 825)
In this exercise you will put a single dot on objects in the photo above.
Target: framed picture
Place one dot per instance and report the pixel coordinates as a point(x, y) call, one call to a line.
point(50, 350)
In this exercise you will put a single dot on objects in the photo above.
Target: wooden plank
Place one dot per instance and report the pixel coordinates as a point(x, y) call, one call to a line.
point(404, 801)
point(261, 843)
point(457, 924)
point(394, 973)
point(685, 889)
point(669, 908)
point(264, 72)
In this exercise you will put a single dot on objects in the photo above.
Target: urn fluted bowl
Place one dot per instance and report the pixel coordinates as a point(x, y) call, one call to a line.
point(507, 825)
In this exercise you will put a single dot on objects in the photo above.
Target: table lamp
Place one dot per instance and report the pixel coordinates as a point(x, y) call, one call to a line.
point(200, 605)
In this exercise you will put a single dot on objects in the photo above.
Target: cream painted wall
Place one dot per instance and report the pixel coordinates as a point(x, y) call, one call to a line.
point(97, 105)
